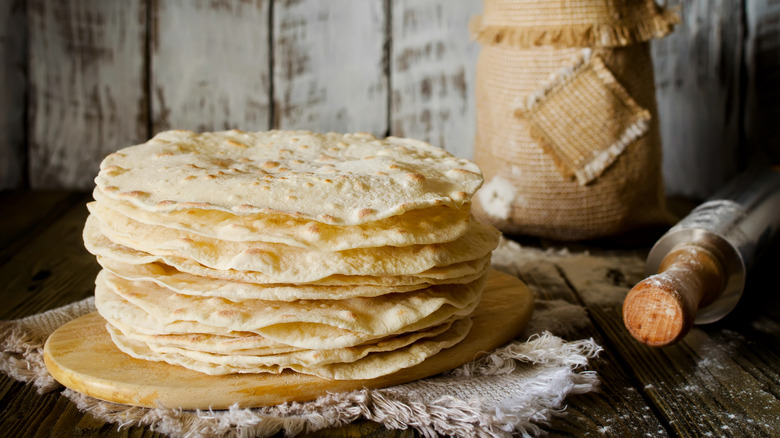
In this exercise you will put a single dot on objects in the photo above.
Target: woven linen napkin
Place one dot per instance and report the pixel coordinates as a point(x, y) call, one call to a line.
point(513, 390)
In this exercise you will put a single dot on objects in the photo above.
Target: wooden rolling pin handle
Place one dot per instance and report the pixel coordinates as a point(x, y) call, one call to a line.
point(660, 309)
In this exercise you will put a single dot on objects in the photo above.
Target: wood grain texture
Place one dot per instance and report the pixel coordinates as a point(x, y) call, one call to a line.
point(697, 79)
point(329, 66)
point(35, 211)
point(26, 413)
point(210, 65)
point(698, 385)
point(87, 83)
point(50, 270)
point(433, 68)
point(617, 408)
point(660, 309)
point(81, 356)
point(13, 52)
point(362, 429)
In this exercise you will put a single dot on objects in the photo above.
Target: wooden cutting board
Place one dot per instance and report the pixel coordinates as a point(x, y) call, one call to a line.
point(81, 356)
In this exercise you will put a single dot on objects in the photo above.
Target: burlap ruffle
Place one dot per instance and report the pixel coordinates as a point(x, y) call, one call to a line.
point(571, 23)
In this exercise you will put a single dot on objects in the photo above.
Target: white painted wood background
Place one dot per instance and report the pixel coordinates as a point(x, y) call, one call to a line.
point(82, 78)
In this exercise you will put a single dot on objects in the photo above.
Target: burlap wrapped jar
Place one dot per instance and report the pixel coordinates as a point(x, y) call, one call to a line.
point(567, 126)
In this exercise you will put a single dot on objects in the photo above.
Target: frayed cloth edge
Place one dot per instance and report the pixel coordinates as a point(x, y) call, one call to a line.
point(584, 35)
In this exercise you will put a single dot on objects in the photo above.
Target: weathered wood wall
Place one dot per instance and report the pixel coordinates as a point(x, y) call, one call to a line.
point(84, 77)
point(698, 80)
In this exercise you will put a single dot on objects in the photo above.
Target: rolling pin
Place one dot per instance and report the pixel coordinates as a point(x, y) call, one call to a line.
point(696, 271)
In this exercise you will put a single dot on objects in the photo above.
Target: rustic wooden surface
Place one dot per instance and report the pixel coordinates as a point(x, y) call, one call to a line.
point(85, 77)
point(721, 380)
point(13, 72)
point(329, 65)
point(432, 70)
point(87, 83)
point(210, 80)
point(698, 79)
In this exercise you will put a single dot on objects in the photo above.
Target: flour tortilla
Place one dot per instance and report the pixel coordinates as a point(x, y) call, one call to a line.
point(371, 366)
point(238, 343)
point(457, 273)
point(316, 325)
point(381, 315)
point(188, 284)
point(309, 358)
point(288, 264)
point(422, 226)
point(344, 179)
point(285, 264)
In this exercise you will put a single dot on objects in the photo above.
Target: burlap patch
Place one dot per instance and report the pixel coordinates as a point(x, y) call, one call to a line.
point(584, 119)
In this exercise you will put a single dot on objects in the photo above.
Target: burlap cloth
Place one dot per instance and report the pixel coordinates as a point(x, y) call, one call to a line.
point(567, 123)
point(514, 390)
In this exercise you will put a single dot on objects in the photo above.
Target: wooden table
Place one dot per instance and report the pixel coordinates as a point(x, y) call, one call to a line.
point(722, 380)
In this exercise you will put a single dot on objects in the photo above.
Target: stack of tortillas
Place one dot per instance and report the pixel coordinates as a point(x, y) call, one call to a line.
point(338, 255)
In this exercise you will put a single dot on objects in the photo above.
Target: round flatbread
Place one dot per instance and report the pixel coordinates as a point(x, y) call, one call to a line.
point(369, 366)
point(285, 264)
point(417, 227)
point(304, 324)
point(457, 273)
point(343, 179)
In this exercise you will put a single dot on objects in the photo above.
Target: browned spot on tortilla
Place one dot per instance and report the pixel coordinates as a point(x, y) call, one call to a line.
point(134, 194)
point(459, 196)
point(366, 212)
point(415, 177)
point(237, 144)
point(464, 171)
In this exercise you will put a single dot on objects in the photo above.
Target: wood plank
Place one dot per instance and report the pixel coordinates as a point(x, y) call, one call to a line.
point(697, 78)
point(433, 68)
point(23, 409)
point(210, 65)
point(51, 270)
point(698, 384)
point(13, 83)
point(33, 212)
point(361, 429)
point(87, 87)
point(618, 408)
point(762, 96)
point(27, 413)
point(329, 70)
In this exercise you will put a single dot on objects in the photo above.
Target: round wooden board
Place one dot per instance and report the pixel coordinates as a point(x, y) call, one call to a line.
point(81, 356)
